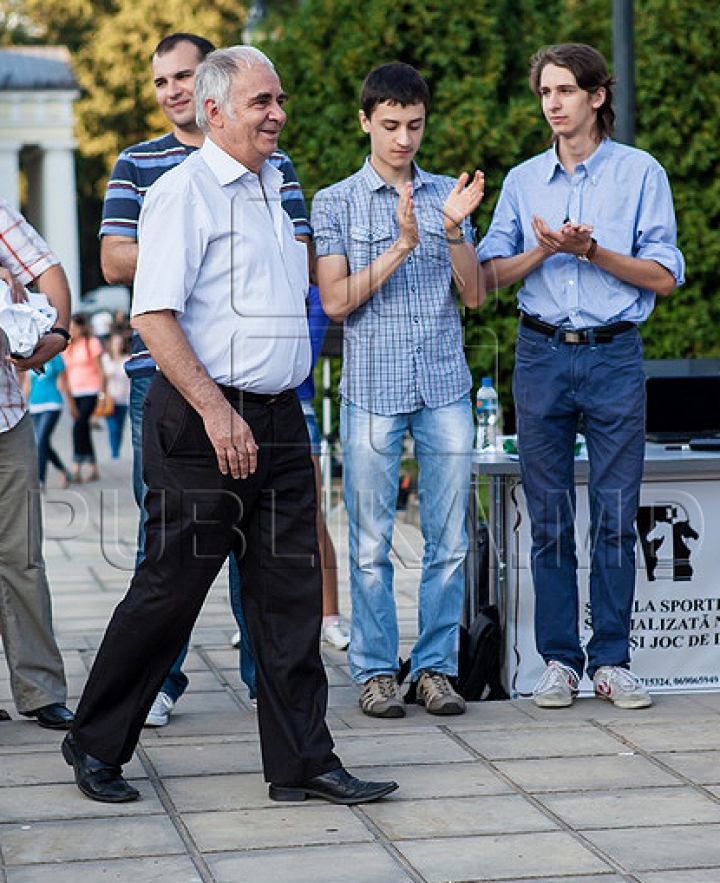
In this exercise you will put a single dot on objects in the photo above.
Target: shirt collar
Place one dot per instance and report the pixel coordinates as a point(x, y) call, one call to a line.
point(375, 182)
point(593, 165)
point(227, 169)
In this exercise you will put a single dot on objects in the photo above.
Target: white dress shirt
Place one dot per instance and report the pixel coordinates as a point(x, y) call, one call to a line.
point(216, 247)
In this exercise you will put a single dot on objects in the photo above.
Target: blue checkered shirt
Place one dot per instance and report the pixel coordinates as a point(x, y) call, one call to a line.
point(404, 346)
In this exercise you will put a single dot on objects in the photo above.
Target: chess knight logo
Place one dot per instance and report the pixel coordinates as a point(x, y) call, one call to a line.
point(666, 539)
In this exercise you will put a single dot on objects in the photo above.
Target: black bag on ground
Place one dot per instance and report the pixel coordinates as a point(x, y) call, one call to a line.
point(480, 657)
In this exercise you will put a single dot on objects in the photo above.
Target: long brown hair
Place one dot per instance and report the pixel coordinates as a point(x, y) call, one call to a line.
point(590, 70)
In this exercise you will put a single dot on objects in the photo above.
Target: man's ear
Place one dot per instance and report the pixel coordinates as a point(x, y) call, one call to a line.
point(364, 121)
point(598, 97)
point(213, 113)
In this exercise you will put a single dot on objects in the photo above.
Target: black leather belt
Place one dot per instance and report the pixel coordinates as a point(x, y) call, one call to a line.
point(600, 334)
point(256, 398)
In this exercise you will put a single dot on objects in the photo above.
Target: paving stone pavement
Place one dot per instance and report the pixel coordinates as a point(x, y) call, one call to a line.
point(507, 792)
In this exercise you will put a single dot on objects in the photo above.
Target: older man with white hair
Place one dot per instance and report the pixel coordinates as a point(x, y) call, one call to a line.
point(220, 302)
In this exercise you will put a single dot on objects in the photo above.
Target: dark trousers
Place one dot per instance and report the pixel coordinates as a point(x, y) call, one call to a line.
point(83, 450)
point(196, 516)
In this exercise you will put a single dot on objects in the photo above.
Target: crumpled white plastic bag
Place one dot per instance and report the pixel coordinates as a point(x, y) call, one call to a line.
point(24, 323)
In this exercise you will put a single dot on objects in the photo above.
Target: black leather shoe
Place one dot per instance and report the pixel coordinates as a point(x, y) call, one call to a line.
point(53, 717)
point(97, 780)
point(337, 786)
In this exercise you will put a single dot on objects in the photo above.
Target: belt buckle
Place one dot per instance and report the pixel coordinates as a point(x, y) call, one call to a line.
point(574, 337)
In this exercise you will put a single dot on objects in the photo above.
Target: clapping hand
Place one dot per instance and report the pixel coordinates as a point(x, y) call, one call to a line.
point(464, 198)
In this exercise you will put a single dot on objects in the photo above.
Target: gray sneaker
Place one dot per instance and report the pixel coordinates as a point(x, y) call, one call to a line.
point(621, 687)
point(437, 694)
point(159, 714)
point(557, 688)
point(381, 697)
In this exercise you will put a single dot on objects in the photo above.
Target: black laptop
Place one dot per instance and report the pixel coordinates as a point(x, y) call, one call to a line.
point(684, 409)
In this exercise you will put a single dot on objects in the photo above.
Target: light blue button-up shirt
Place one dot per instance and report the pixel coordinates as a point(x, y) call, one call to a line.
point(624, 194)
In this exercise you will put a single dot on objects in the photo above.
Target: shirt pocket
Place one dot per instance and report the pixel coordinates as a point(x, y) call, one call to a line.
point(367, 243)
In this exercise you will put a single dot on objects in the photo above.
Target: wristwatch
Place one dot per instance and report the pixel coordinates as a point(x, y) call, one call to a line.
point(63, 332)
point(590, 253)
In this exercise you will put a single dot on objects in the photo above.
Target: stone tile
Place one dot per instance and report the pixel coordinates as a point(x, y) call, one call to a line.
point(430, 745)
point(205, 757)
point(47, 802)
point(698, 875)
point(24, 768)
point(141, 870)
point(701, 767)
point(488, 858)
point(647, 807)
point(352, 863)
point(233, 722)
point(577, 773)
point(86, 839)
point(661, 848)
point(690, 735)
point(202, 682)
point(457, 817)
point(210, 703)
point(543, 740)
point(230, 791)
point(593, 878)
point(279, 825)
point(440, 780)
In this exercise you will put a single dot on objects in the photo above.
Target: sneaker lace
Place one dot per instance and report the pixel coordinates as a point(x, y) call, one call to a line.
point(385, 685)
point(437, 683)
point(625, 680)
point(554, 675)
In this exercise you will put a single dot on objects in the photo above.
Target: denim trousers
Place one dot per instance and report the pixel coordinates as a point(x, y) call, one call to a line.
point(44, 423)
point(247, 659)
point(176, 681)
point(116, 428)
point(372, 451)
point(561, 388)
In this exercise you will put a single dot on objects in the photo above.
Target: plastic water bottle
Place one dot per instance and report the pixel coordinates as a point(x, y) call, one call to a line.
point(487, 416)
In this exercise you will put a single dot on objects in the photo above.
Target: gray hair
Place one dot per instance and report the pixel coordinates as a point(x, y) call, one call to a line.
point(214, 78)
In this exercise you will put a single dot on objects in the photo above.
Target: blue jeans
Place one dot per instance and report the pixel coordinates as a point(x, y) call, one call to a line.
point(247, 660)
point(555, 385)
point(176, 681)
point(139, 387)
point(116, 427)
point(44, 423)
point(372, 450)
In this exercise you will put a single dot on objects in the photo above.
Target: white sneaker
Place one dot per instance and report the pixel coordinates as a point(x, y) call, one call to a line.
point(235, 640)
point(159, 714)
point(621, 687)
point(557, 688)
point(337, 634)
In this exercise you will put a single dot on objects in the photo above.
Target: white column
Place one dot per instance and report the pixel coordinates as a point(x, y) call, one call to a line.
point(58, 209)
point(10, 172)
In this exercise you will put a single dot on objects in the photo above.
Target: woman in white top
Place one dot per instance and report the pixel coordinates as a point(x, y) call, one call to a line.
point(118, 388)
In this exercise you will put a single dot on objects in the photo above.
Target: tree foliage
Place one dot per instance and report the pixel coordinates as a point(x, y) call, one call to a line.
point(111, 42)
point(475, 59)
